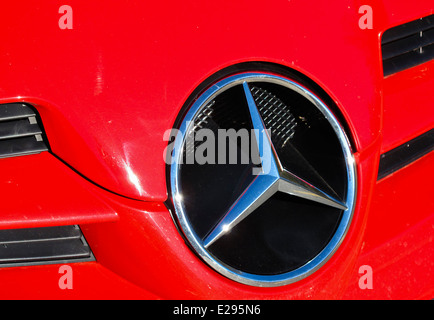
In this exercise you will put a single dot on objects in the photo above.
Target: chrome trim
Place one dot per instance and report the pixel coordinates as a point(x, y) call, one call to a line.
point(262, 191)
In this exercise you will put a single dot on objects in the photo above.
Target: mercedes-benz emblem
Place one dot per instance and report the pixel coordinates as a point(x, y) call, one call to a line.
point(271, 222)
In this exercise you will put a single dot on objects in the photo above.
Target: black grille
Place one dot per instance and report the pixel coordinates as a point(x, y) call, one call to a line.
point(405, 154)
point(64, 244)
point(276, 115)
point(408, 45)
point(20, 131)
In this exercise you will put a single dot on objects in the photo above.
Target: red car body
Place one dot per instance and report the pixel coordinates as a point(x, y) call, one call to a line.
point(107, 90)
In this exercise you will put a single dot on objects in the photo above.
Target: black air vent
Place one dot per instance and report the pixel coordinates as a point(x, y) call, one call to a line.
point(408, 45)
point(20, 132)
point(48, 245)
point(405, 154)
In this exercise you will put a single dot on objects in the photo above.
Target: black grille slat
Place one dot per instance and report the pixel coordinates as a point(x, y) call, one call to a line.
point(39, 234)
point(21, 146)
point(408, 60)
point(408, 45)
point(43, 251)
point(405, 154)
point(18, 128)
point(408, 29)
point(43, 245)
point(12, 111)
point(20, 131)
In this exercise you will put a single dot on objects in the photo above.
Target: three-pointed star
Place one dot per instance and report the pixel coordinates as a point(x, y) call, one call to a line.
point(273, 178)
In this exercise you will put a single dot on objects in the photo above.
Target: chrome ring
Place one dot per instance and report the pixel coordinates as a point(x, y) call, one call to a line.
point(319, 260)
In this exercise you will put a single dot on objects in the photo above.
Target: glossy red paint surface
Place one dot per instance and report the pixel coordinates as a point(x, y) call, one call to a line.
point(408, 105)
point(146, 237)
point(41, 191)
point(399, 241)
point(107, 91)
point(90, 281)
point(114, 84)
point(407, 96)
